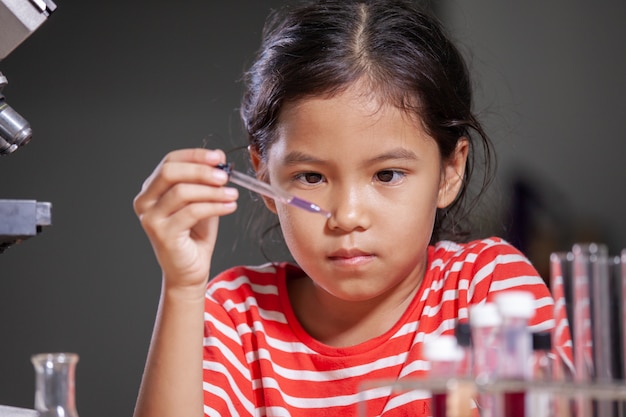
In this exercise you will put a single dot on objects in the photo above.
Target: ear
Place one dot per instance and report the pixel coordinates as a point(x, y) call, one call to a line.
point(453, 174)
point(260, 168)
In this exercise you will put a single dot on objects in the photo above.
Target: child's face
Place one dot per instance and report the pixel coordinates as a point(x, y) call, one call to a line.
point(382, 178)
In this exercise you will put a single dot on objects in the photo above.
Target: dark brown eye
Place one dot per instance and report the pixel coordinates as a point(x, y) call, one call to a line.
point(385, 176)
point(390, 176)
point(311, 177)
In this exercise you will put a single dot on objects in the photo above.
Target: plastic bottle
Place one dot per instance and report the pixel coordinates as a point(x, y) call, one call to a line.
point(516, 308)
point(445, 357)
point(485, 323)
point(462, 332)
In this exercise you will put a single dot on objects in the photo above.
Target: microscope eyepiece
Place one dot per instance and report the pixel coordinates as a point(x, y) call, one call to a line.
point(15, 131)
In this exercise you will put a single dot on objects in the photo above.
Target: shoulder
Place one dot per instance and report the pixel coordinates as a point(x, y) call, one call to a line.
point(247, 294)
point(257, 272)
point(478, 252)
point(483, 268)
point(241, 282)
point(486, 265)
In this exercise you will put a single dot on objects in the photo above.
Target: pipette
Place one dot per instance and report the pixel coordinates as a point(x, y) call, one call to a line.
point(267, 190)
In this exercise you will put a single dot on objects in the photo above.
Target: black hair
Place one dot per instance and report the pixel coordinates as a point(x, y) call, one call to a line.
point(320, 48)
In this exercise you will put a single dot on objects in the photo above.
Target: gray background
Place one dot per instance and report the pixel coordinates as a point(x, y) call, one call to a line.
point(109, 87)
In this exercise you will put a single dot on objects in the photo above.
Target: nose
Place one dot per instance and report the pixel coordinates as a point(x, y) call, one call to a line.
point(349, 210)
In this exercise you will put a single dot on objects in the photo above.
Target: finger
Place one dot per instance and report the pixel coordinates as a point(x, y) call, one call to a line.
point(216, 201)
point(181, 195)
point(172, 173)
point(182, 224)
point(196, 155)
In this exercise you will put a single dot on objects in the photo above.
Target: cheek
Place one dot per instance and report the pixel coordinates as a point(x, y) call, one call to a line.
point(419, 211)
point(296, 231)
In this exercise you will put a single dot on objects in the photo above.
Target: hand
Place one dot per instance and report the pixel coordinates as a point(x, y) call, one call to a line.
point(178, 206)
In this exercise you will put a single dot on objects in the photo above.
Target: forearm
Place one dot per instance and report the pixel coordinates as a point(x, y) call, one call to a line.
point(172, 380)
point(179, 208)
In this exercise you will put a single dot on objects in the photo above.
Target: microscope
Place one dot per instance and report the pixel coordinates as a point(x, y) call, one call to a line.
point(19, 219)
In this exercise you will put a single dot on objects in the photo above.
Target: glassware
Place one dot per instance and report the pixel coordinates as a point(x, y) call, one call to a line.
point(270, 191)
point(55, 384)
point(516, 308)
point(561, 283)
point(485, 328)
point(445, 356)
point(462, 332)
point(541, 404)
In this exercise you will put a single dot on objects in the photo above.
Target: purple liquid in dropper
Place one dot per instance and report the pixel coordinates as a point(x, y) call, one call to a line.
point(303, 204)
point(270, 191)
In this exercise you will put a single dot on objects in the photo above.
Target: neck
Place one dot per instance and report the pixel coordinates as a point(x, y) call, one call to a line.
point(340, 323)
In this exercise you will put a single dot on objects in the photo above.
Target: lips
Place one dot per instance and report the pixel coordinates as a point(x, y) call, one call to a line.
point(353, 257)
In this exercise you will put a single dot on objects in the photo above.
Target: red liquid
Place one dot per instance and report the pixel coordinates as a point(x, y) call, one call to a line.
point(439, 405)
point(514, 404)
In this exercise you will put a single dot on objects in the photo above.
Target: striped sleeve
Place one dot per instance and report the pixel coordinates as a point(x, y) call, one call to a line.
point(227, 381)
point(475, 272)
point(500, 267)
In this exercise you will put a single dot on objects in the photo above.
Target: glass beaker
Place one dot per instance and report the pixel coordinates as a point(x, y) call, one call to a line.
point(54, 384)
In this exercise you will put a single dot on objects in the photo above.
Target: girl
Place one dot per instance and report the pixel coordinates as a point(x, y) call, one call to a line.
point(364, 108)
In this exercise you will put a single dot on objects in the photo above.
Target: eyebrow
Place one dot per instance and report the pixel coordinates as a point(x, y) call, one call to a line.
point(396, 153)
point(297, 157)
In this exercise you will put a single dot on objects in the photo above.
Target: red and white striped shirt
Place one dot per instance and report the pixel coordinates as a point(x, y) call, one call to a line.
point(259, 361)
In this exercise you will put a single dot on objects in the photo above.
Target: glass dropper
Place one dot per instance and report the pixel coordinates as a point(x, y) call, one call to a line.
point(270, 191)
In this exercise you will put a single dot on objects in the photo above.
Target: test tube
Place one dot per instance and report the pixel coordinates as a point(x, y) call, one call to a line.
point(623, 310)
point(591, 317)
point(586, 257)
point(561, 288)
point(621, 273)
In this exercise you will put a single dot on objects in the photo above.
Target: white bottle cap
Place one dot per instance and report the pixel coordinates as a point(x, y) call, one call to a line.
point(442, 348)
point(484, 315)
point(520, 304)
